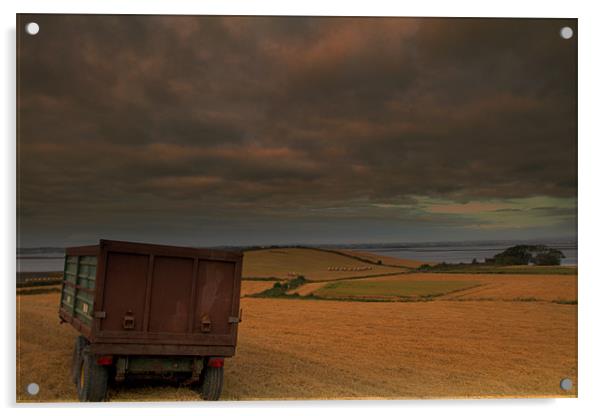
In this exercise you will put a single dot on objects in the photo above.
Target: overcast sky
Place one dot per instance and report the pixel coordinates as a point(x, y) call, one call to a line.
point(273, 130)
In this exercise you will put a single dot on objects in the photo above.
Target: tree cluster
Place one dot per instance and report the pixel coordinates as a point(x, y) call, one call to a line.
point(524, 254)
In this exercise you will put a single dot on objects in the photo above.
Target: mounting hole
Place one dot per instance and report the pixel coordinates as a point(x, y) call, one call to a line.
point(33, 389)
point(566, 32)
point(32, 28)
point(566, 384)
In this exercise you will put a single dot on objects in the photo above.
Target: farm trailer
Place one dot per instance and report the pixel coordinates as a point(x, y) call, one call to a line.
point(145, 310)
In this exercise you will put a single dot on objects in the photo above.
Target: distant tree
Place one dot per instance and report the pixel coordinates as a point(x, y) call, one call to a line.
point(474, 261)
point(551, 257)
point(517, 255)
point(524, 254)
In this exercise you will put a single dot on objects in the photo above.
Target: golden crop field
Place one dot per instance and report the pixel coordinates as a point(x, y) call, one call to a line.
point(394, 261)
point(504, 286)
point(314, 264)
point(319, 349)
point(487, 335)
point(249, 287)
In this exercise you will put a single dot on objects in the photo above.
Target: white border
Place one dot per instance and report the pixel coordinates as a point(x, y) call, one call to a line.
point(590, 135)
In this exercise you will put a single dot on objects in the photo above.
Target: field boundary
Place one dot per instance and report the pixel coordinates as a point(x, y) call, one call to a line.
point(38, 290)
point(296, 296)
point(493, 269)
point(358, 258)
point(32, 279)
point(356, 277)
point(264, 279)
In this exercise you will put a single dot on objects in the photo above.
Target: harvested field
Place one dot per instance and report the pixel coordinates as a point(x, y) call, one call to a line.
point(391, 288)
point(37, 290)
point(501, 287)
point(301, 349)
point(286, 263)
point(249, 287)
point(510, 287)
point(386, 260)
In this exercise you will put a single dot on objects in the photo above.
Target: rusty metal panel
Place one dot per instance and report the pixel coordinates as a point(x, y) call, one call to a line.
point(170, 294)
point(215, 286)
point(124, 292)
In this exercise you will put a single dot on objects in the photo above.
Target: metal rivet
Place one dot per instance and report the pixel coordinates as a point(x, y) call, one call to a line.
point(566, 384)
point(33, 389)
point(566, 32)
point(32, 28)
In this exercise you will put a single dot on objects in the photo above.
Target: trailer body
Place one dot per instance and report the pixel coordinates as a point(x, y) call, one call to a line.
point(152, 308)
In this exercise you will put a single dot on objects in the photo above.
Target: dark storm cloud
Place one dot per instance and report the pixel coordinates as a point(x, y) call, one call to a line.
point(136, 118)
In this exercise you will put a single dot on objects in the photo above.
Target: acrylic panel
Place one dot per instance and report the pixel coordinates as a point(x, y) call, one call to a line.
point(295, 208)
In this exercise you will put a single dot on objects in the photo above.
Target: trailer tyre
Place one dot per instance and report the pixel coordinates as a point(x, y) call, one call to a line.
point(212, 383)
point(78, 348)
point(93, 379)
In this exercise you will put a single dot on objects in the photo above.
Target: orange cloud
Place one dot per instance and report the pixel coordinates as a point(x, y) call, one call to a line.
point(468, 208)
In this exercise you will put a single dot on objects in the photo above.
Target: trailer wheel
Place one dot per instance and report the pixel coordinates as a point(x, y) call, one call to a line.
point(78, 348)
point(212, 381)
point(93, 379)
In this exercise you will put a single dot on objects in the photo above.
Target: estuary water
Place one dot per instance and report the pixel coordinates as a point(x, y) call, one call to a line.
point(461, 252)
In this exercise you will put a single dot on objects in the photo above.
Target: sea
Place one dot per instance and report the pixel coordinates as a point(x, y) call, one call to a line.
point(462, 252)
point(40, 260)
point(48, 259)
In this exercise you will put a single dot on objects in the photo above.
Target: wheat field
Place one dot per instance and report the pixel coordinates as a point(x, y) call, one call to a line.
point(319, 349)
point(314, 264)
point(388, 260)
point(250, 287)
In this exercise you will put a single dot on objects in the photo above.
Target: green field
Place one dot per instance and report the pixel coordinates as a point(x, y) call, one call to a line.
point(392, 288)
